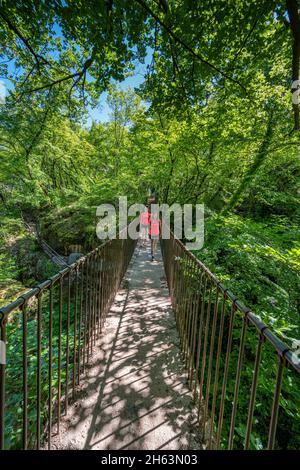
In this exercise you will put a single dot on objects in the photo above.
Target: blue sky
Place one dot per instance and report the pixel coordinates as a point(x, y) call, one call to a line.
point(101, 112)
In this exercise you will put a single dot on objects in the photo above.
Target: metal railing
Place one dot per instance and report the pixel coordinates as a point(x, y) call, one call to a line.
point(239, 371)
point(48, 334)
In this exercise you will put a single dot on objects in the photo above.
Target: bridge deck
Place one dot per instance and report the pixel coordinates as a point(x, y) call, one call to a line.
point(134, 394)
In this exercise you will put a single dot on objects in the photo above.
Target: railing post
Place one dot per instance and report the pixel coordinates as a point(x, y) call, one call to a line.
point(2, 376)
point(38, 385)
point(208, 345)
point(59, 352)
point(275, 406)
point(25, 376)
point(76, 312)
point(261, 340)
point(50, 333)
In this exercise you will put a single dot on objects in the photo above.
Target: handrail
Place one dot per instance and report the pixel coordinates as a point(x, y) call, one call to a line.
point(53, 328)
point(209, 318)
point(281, 347)
point(214, 329)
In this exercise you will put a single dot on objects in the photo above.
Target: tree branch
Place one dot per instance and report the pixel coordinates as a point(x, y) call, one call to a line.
point(76, 75)
point(25, 41)
point(178, 40)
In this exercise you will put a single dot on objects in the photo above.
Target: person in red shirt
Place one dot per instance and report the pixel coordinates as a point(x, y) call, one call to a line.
point(144, 222)
point(154, 233)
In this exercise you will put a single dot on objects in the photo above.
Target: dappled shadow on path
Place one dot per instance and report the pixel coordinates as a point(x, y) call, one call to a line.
point(134, 394)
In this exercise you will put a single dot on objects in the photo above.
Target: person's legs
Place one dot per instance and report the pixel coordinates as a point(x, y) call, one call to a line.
point(144, 234)
point(153, 247)
point(141, 235)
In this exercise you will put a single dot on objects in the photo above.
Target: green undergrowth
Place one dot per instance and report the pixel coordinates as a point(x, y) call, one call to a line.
point(259, 261)
point(22, 262)
point(14, 368)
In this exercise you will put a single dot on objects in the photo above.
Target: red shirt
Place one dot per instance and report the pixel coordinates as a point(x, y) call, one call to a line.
point(154, 227)
point(145, 218)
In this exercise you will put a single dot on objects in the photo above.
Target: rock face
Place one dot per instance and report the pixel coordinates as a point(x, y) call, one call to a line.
point(74, 257)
